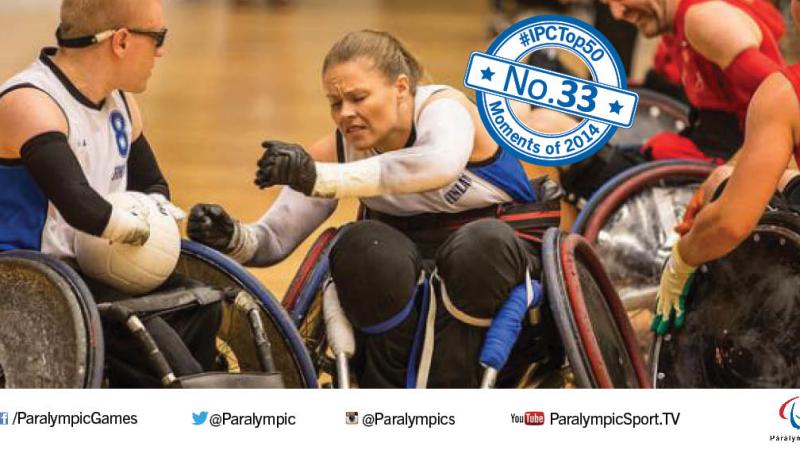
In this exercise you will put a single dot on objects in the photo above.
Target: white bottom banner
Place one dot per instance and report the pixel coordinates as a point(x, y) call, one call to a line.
point(370, 419)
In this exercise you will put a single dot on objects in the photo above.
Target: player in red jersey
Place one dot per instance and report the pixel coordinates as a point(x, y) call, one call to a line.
point(772, 137)
point(723, 50)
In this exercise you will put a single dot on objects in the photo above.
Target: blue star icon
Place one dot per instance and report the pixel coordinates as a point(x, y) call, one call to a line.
point(487, 74)
point(615, 107)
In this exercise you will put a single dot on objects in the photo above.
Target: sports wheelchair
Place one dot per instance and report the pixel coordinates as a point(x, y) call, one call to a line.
point(741, 316)
point(630, 223)
point(575, 297)
point(51, 334)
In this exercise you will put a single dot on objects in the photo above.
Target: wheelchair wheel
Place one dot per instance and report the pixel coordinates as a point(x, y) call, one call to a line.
point(291, 357)
point(50, 332)
point(630, 222)
point(303, 301)
point(742, 314)
point(600, 344)
point(654, 114)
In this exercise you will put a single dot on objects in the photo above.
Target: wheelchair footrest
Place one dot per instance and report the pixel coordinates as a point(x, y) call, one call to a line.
point(220, 380)
point(173, 299)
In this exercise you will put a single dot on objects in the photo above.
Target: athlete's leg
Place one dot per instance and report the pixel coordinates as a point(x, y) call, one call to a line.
point(479, 264)
point(376, 269)
point(186, 338)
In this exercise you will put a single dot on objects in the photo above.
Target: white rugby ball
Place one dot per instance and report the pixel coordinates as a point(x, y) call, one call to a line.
point(129, 268)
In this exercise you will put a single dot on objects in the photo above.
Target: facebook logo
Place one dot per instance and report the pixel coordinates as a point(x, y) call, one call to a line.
point(3, 418)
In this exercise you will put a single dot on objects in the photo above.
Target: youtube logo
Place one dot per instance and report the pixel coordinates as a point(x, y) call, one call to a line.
point(534, 418)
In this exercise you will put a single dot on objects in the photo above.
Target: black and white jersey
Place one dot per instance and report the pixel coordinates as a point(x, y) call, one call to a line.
point(100, 137)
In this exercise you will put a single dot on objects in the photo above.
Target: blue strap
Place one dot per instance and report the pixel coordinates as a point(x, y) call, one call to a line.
point(507, 324)
point(393, 321)
point(419, 334)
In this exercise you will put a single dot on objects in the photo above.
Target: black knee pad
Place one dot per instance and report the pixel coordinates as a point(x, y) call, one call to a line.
point(376, 269)
point(480, 263)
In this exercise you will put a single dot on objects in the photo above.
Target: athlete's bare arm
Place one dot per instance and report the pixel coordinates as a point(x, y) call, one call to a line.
point(719, 31)
point(770, 137)
point(24, 114)
point(29, 116)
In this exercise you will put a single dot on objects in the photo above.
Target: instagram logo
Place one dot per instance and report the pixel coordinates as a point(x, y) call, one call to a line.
point(534, 418)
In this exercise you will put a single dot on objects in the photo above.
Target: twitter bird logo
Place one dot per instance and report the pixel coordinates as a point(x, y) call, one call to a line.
point(199, 418)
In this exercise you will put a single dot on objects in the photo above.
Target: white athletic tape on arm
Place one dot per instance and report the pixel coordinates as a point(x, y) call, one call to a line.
point(356, 179)
point(445, 137)
point(339, 329)
point(244, 243)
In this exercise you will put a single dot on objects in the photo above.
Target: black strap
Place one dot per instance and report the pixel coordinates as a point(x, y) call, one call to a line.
point(412, 138)
point(78, 42)
point(127, 108)
point(173, 300)
point(518, 215)
point(431, 221)
point(340, 147)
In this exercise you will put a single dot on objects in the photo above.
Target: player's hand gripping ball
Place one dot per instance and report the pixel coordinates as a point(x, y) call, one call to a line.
point(134, 269)
point(286, 164)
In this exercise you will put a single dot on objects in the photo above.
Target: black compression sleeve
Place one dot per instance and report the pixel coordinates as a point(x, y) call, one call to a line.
point(55, 169)
point(144, 174)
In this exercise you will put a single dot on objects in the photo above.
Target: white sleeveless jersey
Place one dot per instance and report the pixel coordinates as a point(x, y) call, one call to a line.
point(99, 135)
point(498, 180)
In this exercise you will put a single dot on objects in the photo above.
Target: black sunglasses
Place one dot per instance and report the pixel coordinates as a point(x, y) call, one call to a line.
point(85, 41)
point(158, 36)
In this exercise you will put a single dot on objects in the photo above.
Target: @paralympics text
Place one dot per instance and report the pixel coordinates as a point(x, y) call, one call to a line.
point(407, 420)
point(92, 418)
point(627, 419)
point(252, 420)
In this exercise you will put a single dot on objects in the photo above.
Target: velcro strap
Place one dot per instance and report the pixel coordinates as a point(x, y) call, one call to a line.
point(396, 319)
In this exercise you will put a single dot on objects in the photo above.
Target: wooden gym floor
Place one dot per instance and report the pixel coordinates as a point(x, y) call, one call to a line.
point(234, 75)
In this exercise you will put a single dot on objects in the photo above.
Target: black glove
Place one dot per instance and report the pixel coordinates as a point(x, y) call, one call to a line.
point(286, 164)
point(210, 225)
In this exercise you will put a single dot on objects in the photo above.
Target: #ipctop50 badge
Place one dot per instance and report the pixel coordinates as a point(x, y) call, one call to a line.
point(602, 103)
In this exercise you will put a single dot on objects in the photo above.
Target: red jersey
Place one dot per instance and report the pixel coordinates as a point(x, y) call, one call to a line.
point(705, 83)
point(663, 62)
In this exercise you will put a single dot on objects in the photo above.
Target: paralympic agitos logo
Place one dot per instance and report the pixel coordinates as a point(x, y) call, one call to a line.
point(790, 414)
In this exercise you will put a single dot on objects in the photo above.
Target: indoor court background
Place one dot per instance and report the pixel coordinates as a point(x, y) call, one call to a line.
point(234, 75)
